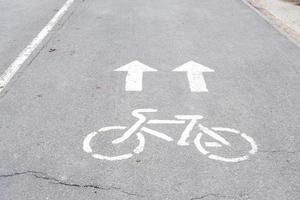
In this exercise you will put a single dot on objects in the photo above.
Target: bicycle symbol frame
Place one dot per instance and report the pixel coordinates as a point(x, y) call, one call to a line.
point(138, 129)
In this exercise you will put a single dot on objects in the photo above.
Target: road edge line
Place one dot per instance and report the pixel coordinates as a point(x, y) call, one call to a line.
point(30, 48)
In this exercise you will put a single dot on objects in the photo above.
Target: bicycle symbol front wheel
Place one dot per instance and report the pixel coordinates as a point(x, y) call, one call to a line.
point(88, 149)
point(200, 145)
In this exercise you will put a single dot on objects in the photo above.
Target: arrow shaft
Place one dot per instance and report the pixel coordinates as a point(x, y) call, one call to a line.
point(134, 81)
point(197, 82)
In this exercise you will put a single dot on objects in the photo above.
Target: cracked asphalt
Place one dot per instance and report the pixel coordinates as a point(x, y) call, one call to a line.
point(68, 89)
point(52, 180)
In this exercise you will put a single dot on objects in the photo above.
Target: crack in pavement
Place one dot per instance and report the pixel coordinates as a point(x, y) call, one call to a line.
point(52, 180)
point(212, 195)
point(279, 151)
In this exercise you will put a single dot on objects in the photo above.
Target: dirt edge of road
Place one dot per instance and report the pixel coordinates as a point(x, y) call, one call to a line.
point(275, 21)
point(293, 1)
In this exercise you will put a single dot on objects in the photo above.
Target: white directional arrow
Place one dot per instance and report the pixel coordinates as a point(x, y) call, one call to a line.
point(195, 75)
point(134, 78)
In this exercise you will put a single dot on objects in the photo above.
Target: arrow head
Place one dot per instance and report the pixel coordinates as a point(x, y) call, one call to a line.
point(135, 66)
point(192, 66)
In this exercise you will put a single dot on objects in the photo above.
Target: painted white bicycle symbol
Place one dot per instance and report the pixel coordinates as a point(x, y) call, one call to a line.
point(138, 129)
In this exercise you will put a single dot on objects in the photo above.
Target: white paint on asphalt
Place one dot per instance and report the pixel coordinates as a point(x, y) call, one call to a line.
point(138, 129)
point(252, 142)
point(157, 134)
point(121, 157)
point(226, 129)
point(141, 145)
point(26, 53)
point(183, 141)
point(195, 75)
point(213, 135)
point(219, 158)
point(88, 149)
point(86, 142)
point(134, 78)
point(198, 144)
point(213, 144)
point(161, 121)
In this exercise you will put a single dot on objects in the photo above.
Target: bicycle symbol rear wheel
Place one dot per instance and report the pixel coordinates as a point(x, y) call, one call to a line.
point(88, 149)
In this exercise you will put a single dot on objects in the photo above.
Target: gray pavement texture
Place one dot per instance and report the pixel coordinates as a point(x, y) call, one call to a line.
point(20, 22)
point(63, 95)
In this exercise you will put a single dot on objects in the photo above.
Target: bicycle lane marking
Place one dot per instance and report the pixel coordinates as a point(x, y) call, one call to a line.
point(29, 49)
point(137, 129)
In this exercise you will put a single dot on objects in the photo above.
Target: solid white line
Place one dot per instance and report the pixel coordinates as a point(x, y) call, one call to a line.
point(26, 53)
point(160, 121)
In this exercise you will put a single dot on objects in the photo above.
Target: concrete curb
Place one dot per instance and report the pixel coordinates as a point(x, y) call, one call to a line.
point(283, 28)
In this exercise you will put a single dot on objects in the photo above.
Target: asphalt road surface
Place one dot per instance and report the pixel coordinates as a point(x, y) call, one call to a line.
point(223, 126)
point(20, 22)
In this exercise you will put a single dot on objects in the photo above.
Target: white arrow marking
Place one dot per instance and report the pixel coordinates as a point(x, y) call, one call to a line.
point(195, 75)
point(134, 78)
